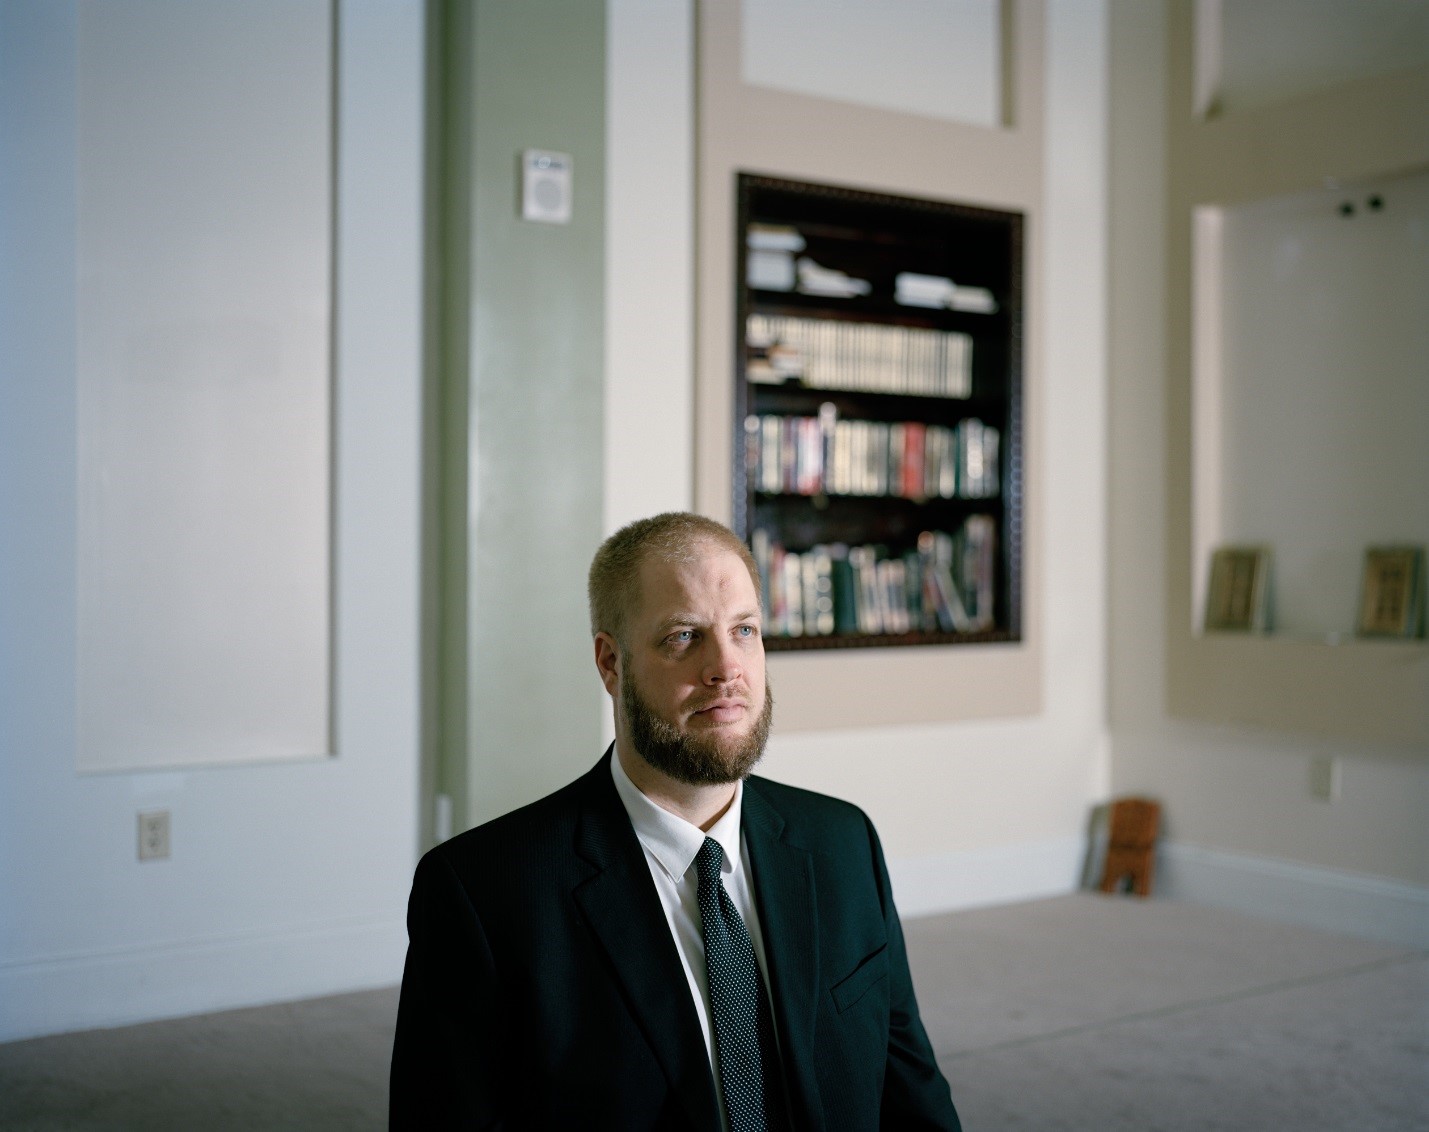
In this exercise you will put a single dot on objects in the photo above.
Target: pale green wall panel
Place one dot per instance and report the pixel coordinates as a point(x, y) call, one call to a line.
point(534, 453)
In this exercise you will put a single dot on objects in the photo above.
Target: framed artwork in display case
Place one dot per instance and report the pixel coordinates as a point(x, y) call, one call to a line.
point(1392, 592)
point(1238, 599)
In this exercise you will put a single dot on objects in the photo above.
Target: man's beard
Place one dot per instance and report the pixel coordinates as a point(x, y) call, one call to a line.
point(690, 757)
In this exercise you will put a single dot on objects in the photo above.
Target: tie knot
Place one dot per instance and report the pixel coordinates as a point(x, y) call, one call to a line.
point(708, 861)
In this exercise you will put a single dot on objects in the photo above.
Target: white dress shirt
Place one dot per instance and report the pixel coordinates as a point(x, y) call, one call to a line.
point(671, 845)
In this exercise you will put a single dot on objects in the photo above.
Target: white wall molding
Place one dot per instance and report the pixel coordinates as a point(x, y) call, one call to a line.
point(974, 878)
point(1330, 899)
point(117, 986)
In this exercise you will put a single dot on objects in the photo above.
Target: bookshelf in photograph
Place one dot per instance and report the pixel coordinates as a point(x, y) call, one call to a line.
point(878, 413)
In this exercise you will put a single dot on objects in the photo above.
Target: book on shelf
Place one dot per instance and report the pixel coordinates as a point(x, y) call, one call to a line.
point(867, 357)
point(911, 289)
point(869, 619)
point(774, 237)
point(770, 270)
point(789, 618)
point(844, 583)
point(830, 282)
point(946, 583)
point(828, 455)
point(823, 621)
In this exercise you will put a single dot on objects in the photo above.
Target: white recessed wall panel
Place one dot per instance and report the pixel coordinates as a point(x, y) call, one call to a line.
point(1323, 387)
point(203, 380)
point(938, 58)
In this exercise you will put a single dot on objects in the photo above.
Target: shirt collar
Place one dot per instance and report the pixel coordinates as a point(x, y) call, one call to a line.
point(671, 840)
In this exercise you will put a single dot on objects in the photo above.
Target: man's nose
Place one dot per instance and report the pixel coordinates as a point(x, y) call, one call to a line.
point(724, 664)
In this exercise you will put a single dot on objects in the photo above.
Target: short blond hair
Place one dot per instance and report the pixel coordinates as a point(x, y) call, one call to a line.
point(675, 536)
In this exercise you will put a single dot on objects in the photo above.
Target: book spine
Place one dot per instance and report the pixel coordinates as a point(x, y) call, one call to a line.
point(793, 595)
point(809, 596)
point(823, 591)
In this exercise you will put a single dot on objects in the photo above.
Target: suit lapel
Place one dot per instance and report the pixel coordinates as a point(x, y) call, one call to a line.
point(784, 889)
point(621, 906)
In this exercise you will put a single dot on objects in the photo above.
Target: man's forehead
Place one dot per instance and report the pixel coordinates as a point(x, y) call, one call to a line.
point(707, 566)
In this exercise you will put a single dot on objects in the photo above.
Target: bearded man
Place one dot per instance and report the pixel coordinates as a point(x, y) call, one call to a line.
point(666, 943)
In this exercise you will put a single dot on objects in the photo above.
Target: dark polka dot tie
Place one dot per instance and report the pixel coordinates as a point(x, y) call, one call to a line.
point(745, 1051)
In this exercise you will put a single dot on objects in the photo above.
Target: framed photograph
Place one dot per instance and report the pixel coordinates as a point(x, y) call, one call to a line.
point(1392, 593)
point(1238, 599)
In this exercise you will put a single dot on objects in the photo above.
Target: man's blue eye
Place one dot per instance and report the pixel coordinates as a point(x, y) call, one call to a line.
point(684, 635)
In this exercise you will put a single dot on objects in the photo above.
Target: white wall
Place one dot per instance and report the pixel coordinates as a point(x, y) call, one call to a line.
point(1242, 827)
point(943, 60)
point(969, 812)
point(1274, 50)
point(649, 259)
point(1309, 298)
point(288, 879)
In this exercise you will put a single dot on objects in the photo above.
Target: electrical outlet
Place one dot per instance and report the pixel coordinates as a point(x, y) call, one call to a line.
point(1325, 777)
point(153, 835)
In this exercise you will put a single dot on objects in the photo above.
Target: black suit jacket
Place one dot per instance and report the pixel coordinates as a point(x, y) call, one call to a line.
point(543, 989)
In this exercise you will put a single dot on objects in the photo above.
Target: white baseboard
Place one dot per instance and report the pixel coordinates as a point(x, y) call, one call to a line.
point(974, 878)
point(117, 987)
point(1350, 903)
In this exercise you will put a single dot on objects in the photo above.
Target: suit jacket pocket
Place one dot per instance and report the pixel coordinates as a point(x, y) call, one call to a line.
point(865, 977)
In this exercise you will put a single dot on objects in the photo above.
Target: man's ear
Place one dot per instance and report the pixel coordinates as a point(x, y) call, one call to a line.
point(607, 662)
